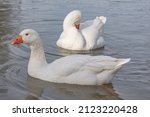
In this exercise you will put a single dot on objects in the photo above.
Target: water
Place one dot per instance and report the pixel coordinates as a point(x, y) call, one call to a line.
point(126, 35)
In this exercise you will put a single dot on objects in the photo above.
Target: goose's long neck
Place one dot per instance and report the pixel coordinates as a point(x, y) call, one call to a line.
point(67, 25)
point(37, 57)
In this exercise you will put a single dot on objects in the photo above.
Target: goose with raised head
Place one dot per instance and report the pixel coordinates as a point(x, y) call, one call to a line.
point(73, 69)
point(81, 36)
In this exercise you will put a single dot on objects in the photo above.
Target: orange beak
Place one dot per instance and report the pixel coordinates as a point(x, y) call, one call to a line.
point(18, 40)
point(77, 26)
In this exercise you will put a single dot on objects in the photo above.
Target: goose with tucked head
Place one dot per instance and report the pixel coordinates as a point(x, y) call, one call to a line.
point(72, 20)
point(74, 69)
point(81, 36)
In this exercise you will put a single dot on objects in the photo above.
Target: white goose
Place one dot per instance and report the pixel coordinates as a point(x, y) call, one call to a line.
point(86, 37)
point(74, 69)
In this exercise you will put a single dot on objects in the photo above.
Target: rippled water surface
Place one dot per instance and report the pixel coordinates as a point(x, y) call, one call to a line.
point(127, 34)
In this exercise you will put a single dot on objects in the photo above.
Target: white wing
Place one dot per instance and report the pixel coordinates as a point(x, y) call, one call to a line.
point(71, 64)
point(86, 24)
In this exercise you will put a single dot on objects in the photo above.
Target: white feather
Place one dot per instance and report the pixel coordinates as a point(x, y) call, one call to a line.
point(88, 37)
point(74, 69)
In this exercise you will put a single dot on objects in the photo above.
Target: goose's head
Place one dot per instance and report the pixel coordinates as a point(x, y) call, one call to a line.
point(73, 19)
point(27, 36)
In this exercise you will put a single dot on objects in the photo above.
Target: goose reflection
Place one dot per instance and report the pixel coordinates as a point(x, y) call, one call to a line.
point(38, 89)
point(65, 52)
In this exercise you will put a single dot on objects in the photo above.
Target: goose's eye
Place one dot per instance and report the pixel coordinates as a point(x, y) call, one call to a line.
point(27, 34)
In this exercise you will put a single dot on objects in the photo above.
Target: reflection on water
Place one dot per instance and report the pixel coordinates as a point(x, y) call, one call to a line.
point(47, 90)
point(64, 52)
point(126, 35)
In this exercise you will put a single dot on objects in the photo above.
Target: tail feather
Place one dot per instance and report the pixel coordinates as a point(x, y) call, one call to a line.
point(123, 61)
point(103, 19)
point(119, 65)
